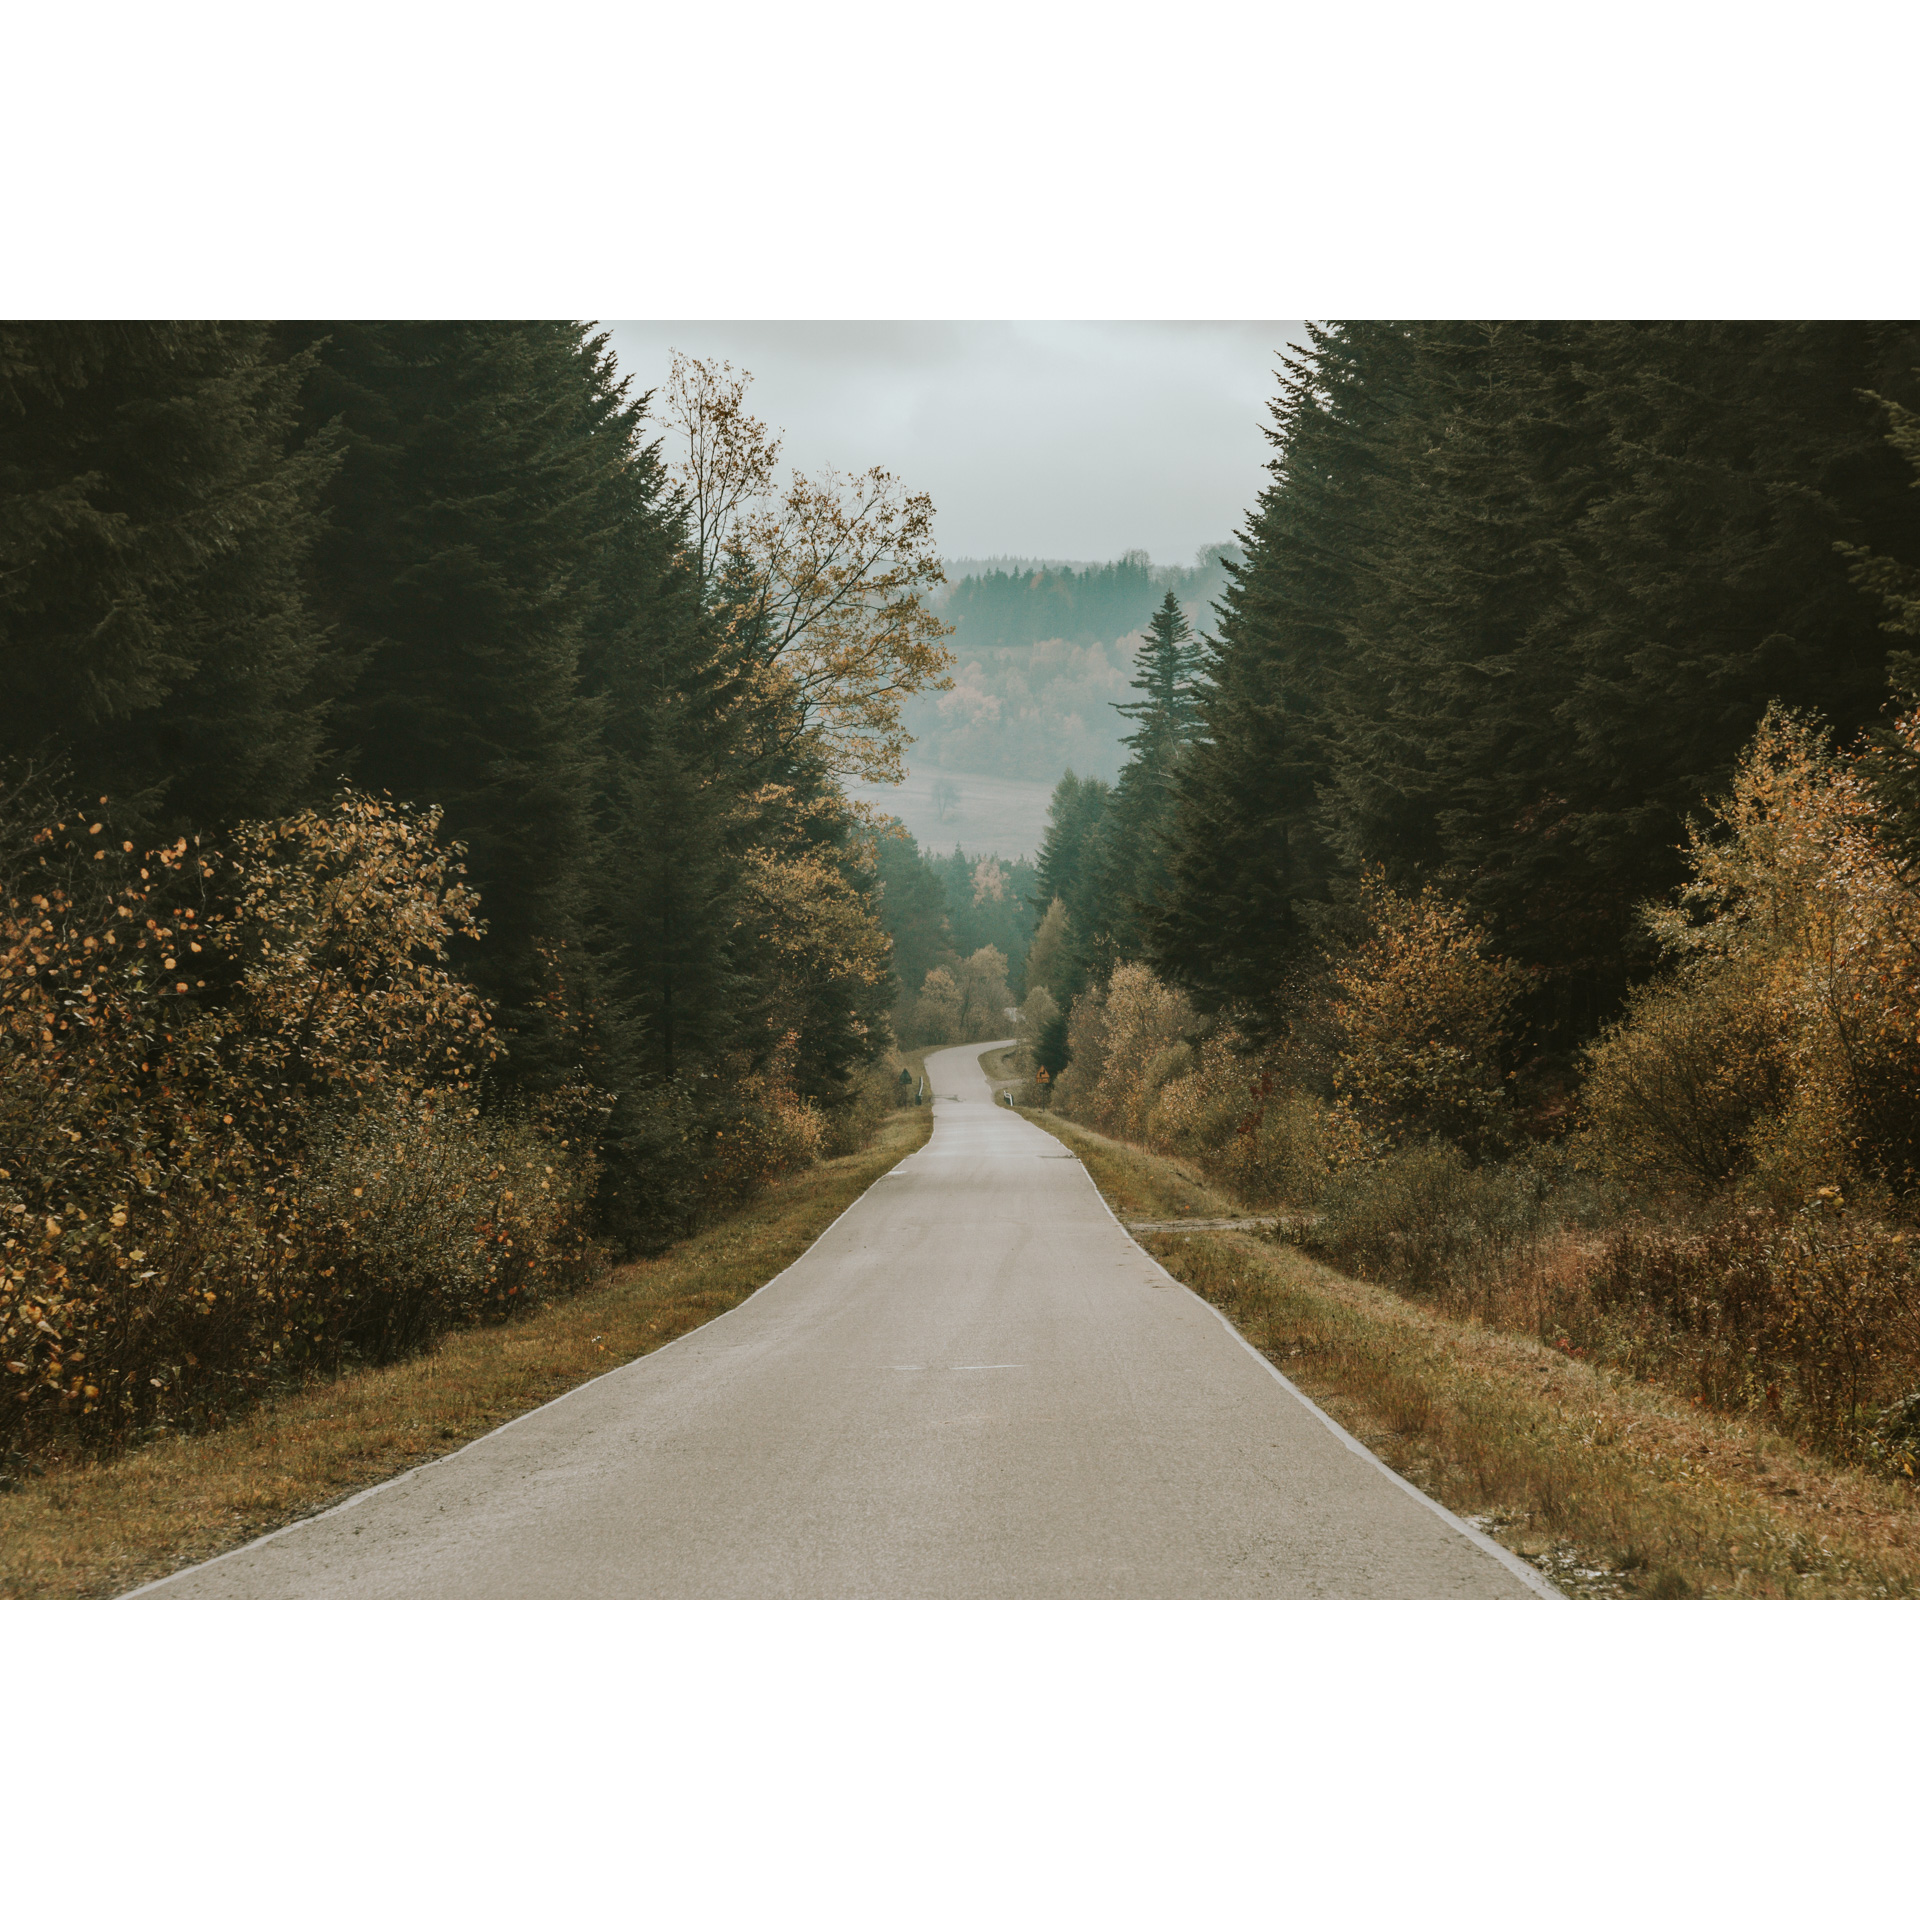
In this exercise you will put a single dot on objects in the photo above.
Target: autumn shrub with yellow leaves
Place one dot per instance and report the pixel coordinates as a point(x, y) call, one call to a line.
point(1142, 1068)
point(1772, 1078)
point(1421, 1010)
point(241, 1134)
point(1808, 1317)
point(1417, 1009)
point(767, 1132)
point(1781, 1053)
point(1127, 1040)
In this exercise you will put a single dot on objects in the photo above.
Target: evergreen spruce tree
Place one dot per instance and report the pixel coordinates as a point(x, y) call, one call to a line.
point(1604, 549)
point(1512, 605)
point(1891, 763)
point(1165, 672)
point(913, 909)
point(664, 878)
point(1071, 870)
point(1249, 858)
point(478, 496)
point(1135, 848)
point(1449, 746)
point(155, 630)
point(1711, 578)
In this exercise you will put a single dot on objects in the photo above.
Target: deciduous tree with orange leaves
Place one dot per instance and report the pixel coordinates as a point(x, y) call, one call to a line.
point(818, 586)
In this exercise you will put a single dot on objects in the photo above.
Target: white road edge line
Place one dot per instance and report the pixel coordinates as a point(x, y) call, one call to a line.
point(1527, 1575)
point(1513, 1564)
point(480, 1440)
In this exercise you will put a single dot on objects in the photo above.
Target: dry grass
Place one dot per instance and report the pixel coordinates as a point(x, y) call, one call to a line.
point(84, 1531)
point(1612, 1487)
point(1004, 1070)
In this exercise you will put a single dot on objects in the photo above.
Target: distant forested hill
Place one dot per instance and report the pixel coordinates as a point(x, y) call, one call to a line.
point(1041, 652)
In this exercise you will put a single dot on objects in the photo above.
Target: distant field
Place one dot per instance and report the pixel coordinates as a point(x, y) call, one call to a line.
point(982, 812)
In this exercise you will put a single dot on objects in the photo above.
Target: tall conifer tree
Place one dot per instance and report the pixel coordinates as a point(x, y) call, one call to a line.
point(1135, 852)
point(155, 630)
point(462, 566)
point(1514, 601)
point(1072, 871)
point(1249, 857)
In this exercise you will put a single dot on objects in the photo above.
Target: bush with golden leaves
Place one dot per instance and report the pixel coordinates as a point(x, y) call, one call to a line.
point(239, 1129)
point(1420, 1008)
point(1125, 1040)
point(766, 1131)
point(1246, 1119)
point(1675, 1093)
point(1783, 1050)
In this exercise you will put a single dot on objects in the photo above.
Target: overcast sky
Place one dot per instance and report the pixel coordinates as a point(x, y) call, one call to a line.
point(1064, 439)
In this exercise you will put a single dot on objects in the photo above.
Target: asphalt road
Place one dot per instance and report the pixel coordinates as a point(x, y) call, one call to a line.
point(975, 1384)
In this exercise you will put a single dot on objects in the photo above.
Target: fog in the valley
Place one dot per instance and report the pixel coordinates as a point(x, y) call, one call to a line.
point(1059, 447)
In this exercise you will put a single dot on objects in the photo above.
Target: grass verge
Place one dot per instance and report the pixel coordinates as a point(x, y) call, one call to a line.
point(1612, 1488)
point(1002, 1066)
point(87, 1531)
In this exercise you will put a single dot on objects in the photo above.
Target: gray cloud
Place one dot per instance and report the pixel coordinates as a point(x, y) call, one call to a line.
point(1076, 439)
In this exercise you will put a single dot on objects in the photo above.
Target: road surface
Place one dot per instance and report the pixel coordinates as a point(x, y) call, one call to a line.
point(975, 1384)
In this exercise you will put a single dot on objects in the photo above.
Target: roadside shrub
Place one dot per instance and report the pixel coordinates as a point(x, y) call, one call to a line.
point(1125, 1044)
point(1675, 1091)
point(686, 1151)
point(1285, 1148)
point(1420, 1010)
point(874, 1090)
point(1197, 1112)
point(1076, 1088)
point(1808, 1317)
point(1248, 1124)
point(1784, 1049)
point(239, 1127)
point(1038, 1012)
point(1145, 1037)
point(426, 1217)
point(1426, 1218)
point(766, 1131)
point(396, 1225)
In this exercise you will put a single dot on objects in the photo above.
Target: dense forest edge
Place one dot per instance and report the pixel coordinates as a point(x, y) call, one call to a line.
point(1516, 891)
point(425, 861)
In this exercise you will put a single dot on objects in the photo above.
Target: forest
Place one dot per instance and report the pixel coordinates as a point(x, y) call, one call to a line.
point(959, 930)
point(424, 865)
point(1019, 605)
point(426, 870)
point(1516, 888)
